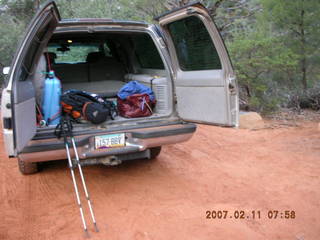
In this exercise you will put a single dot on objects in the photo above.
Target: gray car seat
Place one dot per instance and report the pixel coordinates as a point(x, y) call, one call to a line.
point(105, 76)
point(103, 68)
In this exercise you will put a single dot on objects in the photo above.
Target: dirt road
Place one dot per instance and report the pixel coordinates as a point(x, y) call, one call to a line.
point(219, 169)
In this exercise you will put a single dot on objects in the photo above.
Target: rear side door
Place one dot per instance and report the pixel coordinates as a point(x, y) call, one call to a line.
point(204, 81)
point(23, 67)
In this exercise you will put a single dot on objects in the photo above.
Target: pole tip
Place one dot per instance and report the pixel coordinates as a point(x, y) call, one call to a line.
point(96, 227)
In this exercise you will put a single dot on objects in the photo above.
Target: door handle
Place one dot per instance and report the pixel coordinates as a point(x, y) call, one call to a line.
point(232, 85)
point(232, 88)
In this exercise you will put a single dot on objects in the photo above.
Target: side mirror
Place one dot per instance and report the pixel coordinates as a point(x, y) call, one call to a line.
point(6, 70)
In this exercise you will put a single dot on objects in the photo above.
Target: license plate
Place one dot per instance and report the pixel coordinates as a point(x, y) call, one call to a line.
point(110, 141)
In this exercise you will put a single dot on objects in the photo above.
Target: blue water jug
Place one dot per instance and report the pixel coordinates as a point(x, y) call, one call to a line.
point(51, 99)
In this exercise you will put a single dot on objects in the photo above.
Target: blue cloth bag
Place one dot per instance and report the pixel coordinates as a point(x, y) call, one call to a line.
point(134, 87)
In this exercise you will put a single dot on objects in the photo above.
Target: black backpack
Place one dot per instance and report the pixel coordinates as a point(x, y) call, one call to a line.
point(91, 107)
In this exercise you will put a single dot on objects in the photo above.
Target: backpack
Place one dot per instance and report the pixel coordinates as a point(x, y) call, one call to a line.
point(91, 107)
point(136, 105)
point(135, 100)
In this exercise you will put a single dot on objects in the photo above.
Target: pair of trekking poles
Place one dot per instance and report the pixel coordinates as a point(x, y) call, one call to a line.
point(64, 129)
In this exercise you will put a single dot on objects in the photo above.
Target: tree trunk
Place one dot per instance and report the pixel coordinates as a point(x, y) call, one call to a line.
point(304, 72)
point(303, 51)
point(246, 87)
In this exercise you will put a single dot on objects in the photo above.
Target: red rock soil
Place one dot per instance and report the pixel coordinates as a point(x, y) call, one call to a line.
point(218, 169)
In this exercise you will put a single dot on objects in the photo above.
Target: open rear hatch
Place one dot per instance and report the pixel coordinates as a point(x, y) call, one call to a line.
point(23, 95)
point(205, 84)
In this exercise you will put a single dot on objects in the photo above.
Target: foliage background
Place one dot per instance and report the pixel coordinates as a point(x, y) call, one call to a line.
point(273, 43)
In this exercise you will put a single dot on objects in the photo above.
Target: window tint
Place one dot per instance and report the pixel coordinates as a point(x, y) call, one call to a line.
point(194, 47)
point(146, 52)
point(73, 53)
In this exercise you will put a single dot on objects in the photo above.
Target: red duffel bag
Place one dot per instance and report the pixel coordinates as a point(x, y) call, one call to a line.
point(136, 105)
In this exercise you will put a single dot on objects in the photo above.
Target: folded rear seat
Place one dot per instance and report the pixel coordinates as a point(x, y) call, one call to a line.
point(107, 88)
point(105, 75)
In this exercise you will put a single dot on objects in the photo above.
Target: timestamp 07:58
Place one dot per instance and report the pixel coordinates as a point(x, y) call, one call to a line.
point(255, 214)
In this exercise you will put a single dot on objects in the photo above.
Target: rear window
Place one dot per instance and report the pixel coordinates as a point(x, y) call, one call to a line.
point(193, 44)
point(72, 53)
point(146, 52)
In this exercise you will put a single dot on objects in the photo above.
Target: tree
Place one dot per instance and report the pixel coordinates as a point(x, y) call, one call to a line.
point(13, 18)
point(20, 10)
point(296, 23)
point(258, 56)
point(226, 13)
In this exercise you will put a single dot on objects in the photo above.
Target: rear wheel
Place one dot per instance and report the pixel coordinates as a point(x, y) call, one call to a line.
point(154, 152)
point(27, 167)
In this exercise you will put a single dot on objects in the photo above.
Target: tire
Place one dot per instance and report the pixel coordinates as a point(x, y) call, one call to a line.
point(27, 168)
point(154, 152)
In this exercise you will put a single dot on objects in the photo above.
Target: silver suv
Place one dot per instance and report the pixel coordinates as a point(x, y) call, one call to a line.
point(183, 59)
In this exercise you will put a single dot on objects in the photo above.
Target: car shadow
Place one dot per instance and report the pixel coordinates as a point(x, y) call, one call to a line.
point(61, 165)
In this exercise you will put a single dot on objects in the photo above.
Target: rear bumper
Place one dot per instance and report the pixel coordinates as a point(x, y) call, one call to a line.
point(137, 140)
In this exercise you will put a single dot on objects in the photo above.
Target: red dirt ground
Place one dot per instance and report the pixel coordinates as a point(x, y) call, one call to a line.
point(218, 169)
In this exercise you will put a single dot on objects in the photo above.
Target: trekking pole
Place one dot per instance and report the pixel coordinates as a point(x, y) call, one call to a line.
point(62, 129)
point(81, 174)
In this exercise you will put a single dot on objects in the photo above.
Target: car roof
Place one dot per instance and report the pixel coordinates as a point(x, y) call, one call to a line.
point(98, 21)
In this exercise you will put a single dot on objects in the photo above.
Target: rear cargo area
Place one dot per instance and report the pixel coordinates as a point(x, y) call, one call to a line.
point(102, 63)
